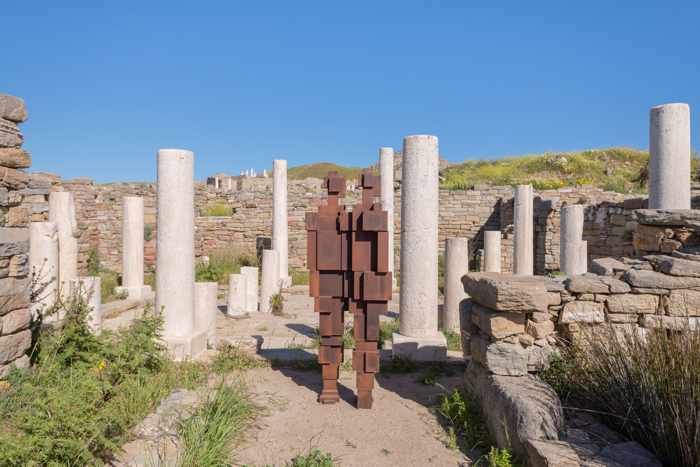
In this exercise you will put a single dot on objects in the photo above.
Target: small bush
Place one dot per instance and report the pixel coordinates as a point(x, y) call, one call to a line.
point(231, 358)
point(499, 458)
point(221, 264)
point(647, 387)
point(387, 329)
point(208, 436)
point(314, 458)
point(454, 340)
point(300, 277)
point(218, 210)
point(462, 412)
point(277, 304)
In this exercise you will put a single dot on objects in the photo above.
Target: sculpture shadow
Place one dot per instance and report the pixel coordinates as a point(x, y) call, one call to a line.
point(307, 373)
point(303, 329)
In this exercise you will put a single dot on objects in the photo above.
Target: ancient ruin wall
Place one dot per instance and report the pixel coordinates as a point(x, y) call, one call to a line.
point(16, 191)
point(468, 213)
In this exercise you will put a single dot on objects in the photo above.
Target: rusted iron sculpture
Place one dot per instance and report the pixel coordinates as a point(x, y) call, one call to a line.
point(348, 270)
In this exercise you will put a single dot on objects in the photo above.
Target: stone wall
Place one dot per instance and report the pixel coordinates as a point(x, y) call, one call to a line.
point(608, 228)
point(16, 191)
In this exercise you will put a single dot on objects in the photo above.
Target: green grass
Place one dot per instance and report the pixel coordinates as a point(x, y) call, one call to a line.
point(386, 329)
point(454, 340)
point(614, 169)
point(76, 405)
point(300, 277)
point(208, 437)
point(217, 210)
point(231, 358)
point(321, 169)
point(221, 264)
point(646, 387)
point(314, 458)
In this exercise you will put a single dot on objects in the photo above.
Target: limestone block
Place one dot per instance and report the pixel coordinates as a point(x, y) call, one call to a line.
point(657, 280)
point(623, 318)
point(674, 266)
point(540, 330)
point(14, 321)
point(13, 346)
point(519, 408)
point(12, 108)
point(499, 357)
point(674, 323)
point(10, 136)
point(582, 312)
point(683, 303)
point(633, 303)
point(15, 158)
point(504, 292)
point(551, 453)
point(206, 309)
point(249, 276)
point(498, 324)
point(236, 295)
point(586, 284)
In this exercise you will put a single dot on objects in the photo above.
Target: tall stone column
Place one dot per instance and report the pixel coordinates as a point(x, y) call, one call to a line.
point(456, 266)
point(90, 289)
point(270, 284)
point(572, 258)
point(236, 296)
point(62, 213)
point(43, 267)
point(206, 309)
point(175, 253)
point(386, 172)
point(523, 241)
point(418, 336)
point(249, 276)
point(280, 234)
point(669, 164)
point(132, 248)
point(492, 251)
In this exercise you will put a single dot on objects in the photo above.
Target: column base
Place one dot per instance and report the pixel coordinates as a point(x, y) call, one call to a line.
point(135, 293)
point(186, 348)
point(419, 349)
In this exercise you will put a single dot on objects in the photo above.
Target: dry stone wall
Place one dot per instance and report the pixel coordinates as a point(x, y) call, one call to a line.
point(16, 192)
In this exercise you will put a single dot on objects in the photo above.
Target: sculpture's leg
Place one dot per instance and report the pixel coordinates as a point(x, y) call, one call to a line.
point(366, 354)
point(330, 352)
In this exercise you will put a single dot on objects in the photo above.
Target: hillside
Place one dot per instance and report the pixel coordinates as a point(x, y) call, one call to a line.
point(320, 170)
point(614, 169)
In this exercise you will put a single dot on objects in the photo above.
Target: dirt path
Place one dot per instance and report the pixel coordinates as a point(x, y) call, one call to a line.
point(399, 431)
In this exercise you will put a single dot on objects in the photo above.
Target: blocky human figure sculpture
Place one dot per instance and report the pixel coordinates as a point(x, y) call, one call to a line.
point(348, 264)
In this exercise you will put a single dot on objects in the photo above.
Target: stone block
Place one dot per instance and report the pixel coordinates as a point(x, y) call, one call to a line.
point(683, 303)
point(10, 136)
point(582, 312)
point(674, 266)
point(540, 330)
point(504, 292)
point(499, 357)
point(633, 303)
point(13, 346)
point(14, 321)
point(498, 324)
point(519, 408)
point(674, 323)
point(656, 280)
point(551, 453)
point(12, 108)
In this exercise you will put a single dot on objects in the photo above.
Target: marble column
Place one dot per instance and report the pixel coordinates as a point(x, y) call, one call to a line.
point(206, 309)
point(492, 251)
point(249, 276)
point(669, 164)
point(280, 234)
point(270, 284)
point(456, 266)
point(132, 249)
point(90, 290)
point(175, 253)
point(43, 267)
point(62, 213)
point(236, 296)
point(571, 260)
point(386, 172)
point(523, 241)
point(418, 336)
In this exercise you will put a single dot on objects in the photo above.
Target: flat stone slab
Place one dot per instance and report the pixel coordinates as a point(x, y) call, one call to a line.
point(592, 283)
point(657, 280)
point(669, 217)
point(675, 266)
point(505, 292)
point(608, 266)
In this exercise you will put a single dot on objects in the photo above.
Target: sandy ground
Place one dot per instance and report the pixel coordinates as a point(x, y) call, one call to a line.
point(400, 430)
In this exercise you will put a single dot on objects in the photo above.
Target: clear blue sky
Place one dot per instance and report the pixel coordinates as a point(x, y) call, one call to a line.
point(107, 83)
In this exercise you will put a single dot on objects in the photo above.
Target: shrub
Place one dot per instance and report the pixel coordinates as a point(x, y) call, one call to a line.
point(647, 387)
point(277, 304)
point(231, 358)
point(314, 458)
point(218, 210)
point(386, 329)
point(207, 437)
point(461, 410)
point(454, 340)
point(221, 264)
point(300, 277)
point(84, 393)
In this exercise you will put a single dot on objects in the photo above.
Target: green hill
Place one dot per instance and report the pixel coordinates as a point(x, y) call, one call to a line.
point(321, 169)
point(615, 169)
